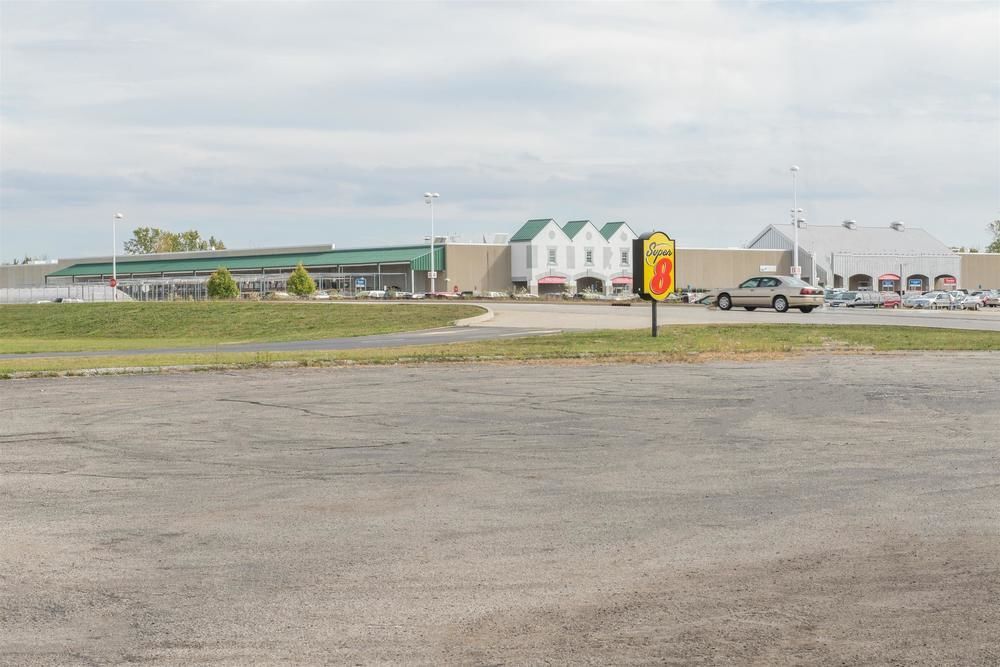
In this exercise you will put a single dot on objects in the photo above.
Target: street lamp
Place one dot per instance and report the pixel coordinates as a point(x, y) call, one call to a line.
point(796, 211)
point(429, 198)
point(114, 255)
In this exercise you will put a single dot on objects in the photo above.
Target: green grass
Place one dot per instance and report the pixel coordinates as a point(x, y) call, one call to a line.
point(674, 344)
point(128, 326)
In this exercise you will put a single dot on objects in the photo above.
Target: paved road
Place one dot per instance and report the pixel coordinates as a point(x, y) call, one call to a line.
point(506, 515)
point(601, 316)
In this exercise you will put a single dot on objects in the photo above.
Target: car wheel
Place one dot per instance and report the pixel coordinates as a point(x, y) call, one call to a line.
point(781, 304)
point(750, 308)
point(806, 309)
point(725, 303)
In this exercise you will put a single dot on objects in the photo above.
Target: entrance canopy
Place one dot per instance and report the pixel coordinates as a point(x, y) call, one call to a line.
point(888, 276)
point(621, 280)
point(552, 280)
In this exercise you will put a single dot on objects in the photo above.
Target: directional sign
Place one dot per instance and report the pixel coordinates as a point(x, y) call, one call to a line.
point(360, 283)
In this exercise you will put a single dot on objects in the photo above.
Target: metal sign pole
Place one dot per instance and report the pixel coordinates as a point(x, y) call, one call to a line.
point(654, 319)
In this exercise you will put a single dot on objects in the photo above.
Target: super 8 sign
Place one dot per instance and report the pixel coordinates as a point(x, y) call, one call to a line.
point(654, 266)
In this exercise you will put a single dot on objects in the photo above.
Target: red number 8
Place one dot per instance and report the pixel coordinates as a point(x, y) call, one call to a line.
point(661, 276)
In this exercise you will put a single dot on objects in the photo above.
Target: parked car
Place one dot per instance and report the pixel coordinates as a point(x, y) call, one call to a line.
point(971, 302)
point(934, 300)
point(320, 295)
point(990, 297)
point(778, 292)
point(891, 300)
point(857, 299)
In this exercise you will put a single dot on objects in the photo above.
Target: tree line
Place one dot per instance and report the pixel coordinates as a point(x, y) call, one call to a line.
point(151, 240)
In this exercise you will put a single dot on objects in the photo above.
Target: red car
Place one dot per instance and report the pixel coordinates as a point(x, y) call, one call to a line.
point(891, 300)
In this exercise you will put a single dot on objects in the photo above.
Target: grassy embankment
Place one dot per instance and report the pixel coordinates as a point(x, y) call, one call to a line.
point(676, 343)
point(84, 327)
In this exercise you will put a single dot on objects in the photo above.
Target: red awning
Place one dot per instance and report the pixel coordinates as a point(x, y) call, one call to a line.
point(552, 280)
point(621, 280)
point(888, 276)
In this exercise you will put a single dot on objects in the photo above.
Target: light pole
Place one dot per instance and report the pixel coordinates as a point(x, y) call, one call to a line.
point(429, 198)
point(796, 270)
point(114, 255)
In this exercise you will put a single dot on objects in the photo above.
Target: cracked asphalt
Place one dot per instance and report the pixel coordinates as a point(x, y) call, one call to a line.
point(819, 510)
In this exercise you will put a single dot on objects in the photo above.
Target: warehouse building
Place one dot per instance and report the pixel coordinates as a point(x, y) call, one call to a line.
point(459, 267)
point(891, 258)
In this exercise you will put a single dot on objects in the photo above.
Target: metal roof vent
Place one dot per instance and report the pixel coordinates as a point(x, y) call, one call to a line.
point(850, 224)
point(897, 225)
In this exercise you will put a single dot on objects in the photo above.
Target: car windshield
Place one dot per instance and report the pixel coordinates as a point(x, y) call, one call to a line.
point(846, 295)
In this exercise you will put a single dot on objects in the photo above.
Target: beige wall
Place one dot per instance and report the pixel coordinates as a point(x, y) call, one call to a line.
point(723, 267)
point(476, 267)
point(980, 269)
point(29, 275)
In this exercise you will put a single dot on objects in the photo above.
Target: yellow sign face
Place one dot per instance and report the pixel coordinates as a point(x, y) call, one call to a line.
point(658, 264)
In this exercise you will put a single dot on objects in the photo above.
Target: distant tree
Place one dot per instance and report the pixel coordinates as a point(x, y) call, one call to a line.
point(147, 240)
point(221, 285)
point(300, 282)
point(994, 229)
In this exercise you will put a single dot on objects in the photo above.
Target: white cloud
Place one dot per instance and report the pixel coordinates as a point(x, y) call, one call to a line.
point(235, 117)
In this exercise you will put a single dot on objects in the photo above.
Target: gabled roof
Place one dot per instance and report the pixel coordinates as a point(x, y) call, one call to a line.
point(530, 229)
point(573, 227)
point(611, 228)
point(861, 240)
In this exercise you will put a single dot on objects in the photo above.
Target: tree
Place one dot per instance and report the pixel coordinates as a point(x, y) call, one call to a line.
point(147, 240)
point(221, 285)
point(994, 229)
point(300, 282)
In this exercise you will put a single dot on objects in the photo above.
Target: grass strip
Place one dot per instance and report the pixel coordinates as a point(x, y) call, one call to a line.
point(678, 343)
point(81, 327)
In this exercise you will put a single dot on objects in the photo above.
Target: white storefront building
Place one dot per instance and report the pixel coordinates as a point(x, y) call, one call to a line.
point(891, 258)
point(576, 257)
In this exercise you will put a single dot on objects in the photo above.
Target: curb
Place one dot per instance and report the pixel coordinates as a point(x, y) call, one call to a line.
point(485, 317)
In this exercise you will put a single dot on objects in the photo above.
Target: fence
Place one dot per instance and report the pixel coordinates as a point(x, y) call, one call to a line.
point(78, 292)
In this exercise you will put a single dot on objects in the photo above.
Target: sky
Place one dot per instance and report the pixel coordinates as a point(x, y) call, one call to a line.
point(279, 123)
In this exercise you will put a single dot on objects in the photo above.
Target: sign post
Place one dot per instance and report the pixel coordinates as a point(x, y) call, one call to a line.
point(654, 268)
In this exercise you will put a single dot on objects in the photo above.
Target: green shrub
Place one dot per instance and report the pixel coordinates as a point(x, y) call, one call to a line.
point(300, 282)
point(221, 285)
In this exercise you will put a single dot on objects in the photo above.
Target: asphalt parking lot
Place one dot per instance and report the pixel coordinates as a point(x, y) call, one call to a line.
point(831, 510)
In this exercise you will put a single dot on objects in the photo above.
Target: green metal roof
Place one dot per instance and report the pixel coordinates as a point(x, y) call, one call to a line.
point(573, 227)
point(609, 229)
point(416, 256)
point(530, 229)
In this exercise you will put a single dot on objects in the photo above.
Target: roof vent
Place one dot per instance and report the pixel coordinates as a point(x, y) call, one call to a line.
point(898, 226)
point(850, 224)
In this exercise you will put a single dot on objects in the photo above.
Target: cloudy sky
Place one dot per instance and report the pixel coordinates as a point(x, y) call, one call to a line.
point(276, 123)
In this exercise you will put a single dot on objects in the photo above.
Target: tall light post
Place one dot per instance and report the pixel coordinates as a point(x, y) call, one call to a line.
point(114, 255)
point(796, 211)
point(429, 198)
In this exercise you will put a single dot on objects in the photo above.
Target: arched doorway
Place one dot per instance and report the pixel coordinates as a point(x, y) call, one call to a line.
point(889, 282)
point(838, 281)
point(552, 285)
point(590, 284)
point(945, 281)
point(917, 283)
point(860, 282)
